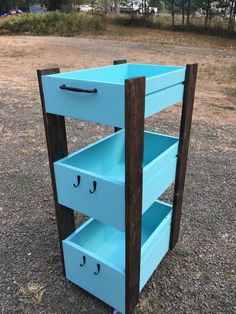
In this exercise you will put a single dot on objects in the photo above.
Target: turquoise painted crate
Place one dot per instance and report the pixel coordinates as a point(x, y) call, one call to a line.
point(92, 180)
point(164, 87)
point(94, 254)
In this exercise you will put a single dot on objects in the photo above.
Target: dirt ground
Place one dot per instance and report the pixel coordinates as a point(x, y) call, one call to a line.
point(199, 276)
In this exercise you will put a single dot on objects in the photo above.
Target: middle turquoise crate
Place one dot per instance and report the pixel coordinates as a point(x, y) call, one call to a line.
point(92, 180)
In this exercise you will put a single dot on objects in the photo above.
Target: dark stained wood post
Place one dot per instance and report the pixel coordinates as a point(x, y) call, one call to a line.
point(122, 61)
point(116, 62)
point(185, 127)
point(134, 146)
point(57, 148)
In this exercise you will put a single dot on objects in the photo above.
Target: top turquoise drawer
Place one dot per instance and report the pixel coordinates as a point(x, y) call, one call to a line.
point(105, 97)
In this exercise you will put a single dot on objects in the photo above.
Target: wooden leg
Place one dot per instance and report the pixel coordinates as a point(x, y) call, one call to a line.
point(134, 145)
point(57, 148)
point(116, 62)
point(185, 127)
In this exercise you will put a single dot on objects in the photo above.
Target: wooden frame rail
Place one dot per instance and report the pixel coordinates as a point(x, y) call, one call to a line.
point(55, 132)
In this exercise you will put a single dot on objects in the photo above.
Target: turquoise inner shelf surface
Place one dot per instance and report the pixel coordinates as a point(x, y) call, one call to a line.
point(104, 163)
point(102, 244)
point(164, 87)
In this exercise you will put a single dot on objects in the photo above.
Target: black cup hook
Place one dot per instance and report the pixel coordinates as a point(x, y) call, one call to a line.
point(94, 187)
point(84, 261)
point(78, 182)
point(98, 269)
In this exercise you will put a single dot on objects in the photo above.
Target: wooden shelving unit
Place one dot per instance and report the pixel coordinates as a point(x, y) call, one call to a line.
point(117, 180)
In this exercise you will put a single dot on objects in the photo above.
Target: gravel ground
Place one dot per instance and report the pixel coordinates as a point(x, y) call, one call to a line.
point(199, 276)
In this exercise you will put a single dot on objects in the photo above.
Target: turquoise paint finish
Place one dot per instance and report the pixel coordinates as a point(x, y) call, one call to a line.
point(103, 107)
point(165, 74)
point(158, 243)
point(104, 163)
point(164, 87)
point(106, 204)
point(158, 101)
point(160, 181)
point(103, 244)
point(108, 285)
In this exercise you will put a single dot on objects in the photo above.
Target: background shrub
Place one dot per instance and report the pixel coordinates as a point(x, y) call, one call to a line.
point(72, 24)
point(58, 23)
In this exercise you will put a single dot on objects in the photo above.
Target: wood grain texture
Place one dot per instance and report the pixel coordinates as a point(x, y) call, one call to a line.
point(185, 128)
point(116, 62)
point(134, 146)
point(57, 148)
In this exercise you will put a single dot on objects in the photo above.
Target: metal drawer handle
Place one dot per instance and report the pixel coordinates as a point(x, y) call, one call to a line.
point(78, 182)
point(78, 90)
point(94, 187)
point(98, 269)
point(84, 261)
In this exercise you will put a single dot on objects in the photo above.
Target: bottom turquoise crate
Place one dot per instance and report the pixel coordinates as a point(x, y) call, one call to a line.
point(95, 254)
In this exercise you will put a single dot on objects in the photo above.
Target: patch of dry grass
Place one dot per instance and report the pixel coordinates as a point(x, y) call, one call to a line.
point(33, 291)
point(166, 37)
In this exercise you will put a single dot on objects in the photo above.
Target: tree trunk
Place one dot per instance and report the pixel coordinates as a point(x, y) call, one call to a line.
point(208, 8)
point(173, 12)
point(231, 22)
point(188, 12)
point(234, 16)
point(230, 16)
point(145, 8)
point(225, 9)
point(117, 6)
point(183, 12)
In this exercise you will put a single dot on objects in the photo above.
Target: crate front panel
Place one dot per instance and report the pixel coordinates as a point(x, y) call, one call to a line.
point(105, 245)
point(108, 285)
point(164, 87)
point(103, 163)
point(106, 106)
point(105, 204)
